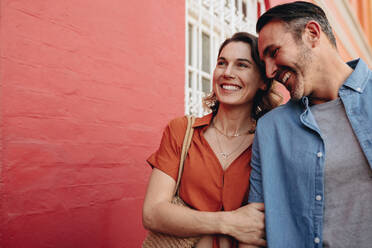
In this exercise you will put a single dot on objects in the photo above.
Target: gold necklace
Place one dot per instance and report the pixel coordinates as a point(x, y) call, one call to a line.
point(225, 155)
point(251, 131)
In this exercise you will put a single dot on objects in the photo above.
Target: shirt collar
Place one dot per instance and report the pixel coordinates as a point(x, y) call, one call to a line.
point(356, 81)
point(203, 121)
point(359, 77)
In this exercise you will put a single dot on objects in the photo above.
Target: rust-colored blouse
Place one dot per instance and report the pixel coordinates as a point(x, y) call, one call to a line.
point(204, 185)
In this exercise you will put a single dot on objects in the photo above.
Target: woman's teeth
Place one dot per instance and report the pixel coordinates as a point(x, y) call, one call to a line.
point(230, 87)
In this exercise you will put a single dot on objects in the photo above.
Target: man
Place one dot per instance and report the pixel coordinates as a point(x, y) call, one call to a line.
point(312, 157)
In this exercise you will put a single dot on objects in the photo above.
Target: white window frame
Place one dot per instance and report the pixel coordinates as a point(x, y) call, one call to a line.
point(218, 21)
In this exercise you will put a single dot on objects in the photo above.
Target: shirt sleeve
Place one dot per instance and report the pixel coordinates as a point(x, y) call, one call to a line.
point(256, 191)
point(167, 157)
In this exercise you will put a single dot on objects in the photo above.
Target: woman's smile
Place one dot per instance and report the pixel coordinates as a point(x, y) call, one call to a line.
point(230, 87)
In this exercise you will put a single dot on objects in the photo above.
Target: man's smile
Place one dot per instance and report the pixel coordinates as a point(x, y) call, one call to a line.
point(282, 76)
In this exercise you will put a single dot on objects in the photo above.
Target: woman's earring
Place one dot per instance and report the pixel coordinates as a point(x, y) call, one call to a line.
point(258, 110)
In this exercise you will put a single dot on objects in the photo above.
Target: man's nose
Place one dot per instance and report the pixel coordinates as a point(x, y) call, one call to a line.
point(271, 69)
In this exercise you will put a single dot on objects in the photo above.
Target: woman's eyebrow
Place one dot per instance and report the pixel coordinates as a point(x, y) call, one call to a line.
point(238, 59)
point(246, 60)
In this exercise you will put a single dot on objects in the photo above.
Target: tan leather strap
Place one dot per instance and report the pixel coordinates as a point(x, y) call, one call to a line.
point(185, 148)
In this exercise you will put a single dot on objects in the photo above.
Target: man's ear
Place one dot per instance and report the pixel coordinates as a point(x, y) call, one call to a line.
point(312, 33)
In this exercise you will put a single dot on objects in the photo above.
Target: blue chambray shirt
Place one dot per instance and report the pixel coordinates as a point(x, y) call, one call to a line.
point(288, 162)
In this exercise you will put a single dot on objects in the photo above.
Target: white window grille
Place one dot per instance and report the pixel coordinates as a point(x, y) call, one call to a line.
point(208, 24)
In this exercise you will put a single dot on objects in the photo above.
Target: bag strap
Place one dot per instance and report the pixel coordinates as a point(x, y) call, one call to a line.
point(185, 148)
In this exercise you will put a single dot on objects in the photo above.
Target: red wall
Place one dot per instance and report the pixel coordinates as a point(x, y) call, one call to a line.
point(86, 88)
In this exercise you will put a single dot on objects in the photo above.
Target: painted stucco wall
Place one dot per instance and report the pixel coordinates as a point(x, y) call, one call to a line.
point(86, 88)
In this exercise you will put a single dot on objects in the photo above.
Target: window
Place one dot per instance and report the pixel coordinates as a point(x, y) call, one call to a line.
point(208, 23)
point(206, 57)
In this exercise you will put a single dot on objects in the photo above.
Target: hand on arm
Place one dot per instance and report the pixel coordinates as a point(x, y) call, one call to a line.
point(245, 224)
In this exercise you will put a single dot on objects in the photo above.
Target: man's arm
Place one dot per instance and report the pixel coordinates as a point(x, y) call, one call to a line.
point(256, 190)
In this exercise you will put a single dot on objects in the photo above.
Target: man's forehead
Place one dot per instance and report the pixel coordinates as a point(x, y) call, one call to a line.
point(271, 30)
point(265, 40)
point(270, 35)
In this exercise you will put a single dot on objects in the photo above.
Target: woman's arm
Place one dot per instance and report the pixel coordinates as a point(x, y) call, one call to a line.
point(245, 224)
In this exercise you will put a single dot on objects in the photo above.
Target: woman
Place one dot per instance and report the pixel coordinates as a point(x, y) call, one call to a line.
point(215, 178)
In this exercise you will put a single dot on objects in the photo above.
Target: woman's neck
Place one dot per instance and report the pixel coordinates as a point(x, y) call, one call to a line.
point(233, 120)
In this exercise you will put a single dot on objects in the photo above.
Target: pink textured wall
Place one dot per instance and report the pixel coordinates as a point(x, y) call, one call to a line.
point(86, 88)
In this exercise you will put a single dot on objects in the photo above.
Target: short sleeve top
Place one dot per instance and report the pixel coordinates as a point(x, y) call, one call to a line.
point(205, 186)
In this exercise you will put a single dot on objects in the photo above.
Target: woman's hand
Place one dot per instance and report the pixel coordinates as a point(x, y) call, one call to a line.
point(247, 224)
point(242, 245)
point(205, 242)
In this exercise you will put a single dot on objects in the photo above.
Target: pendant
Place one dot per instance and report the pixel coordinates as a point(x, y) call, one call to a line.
point(224, 155)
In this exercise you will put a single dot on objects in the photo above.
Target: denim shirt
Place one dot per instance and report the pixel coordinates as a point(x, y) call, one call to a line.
point(288, 162)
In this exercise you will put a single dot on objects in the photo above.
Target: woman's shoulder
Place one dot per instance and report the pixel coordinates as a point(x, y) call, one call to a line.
point(178, 124)
point(176, 128)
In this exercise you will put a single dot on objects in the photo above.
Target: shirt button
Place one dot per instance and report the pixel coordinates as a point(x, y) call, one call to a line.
point(318, 197)
point(317, 240)
point(359, 89)
point(319, 154)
